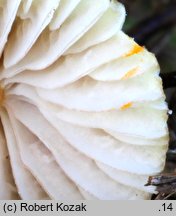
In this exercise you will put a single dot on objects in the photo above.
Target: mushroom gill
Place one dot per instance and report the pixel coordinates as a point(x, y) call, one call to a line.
point(83, 111)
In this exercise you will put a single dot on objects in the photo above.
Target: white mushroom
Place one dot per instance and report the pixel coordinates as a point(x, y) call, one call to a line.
point(82, 106)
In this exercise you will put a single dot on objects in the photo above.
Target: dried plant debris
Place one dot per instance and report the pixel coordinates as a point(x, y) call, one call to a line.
point(166, 185)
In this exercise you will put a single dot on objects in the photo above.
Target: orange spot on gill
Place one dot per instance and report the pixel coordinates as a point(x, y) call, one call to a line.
point(130, 73)
point(126, 106)
point(136, 49)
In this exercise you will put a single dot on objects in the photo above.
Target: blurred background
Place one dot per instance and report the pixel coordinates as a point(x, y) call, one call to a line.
point(153, 24)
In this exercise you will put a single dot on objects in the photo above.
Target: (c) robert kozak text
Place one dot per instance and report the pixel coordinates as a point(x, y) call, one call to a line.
point(36, 207)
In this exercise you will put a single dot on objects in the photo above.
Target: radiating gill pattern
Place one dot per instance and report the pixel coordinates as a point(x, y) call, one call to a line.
point(83, 113)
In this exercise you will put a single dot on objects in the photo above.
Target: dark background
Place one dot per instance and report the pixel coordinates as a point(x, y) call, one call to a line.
point(153, 23)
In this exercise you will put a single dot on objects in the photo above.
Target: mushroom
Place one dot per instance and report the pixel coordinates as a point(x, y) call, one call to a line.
point(83, 112)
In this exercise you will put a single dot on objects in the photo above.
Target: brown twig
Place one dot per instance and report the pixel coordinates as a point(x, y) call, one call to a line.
point(165, 183)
